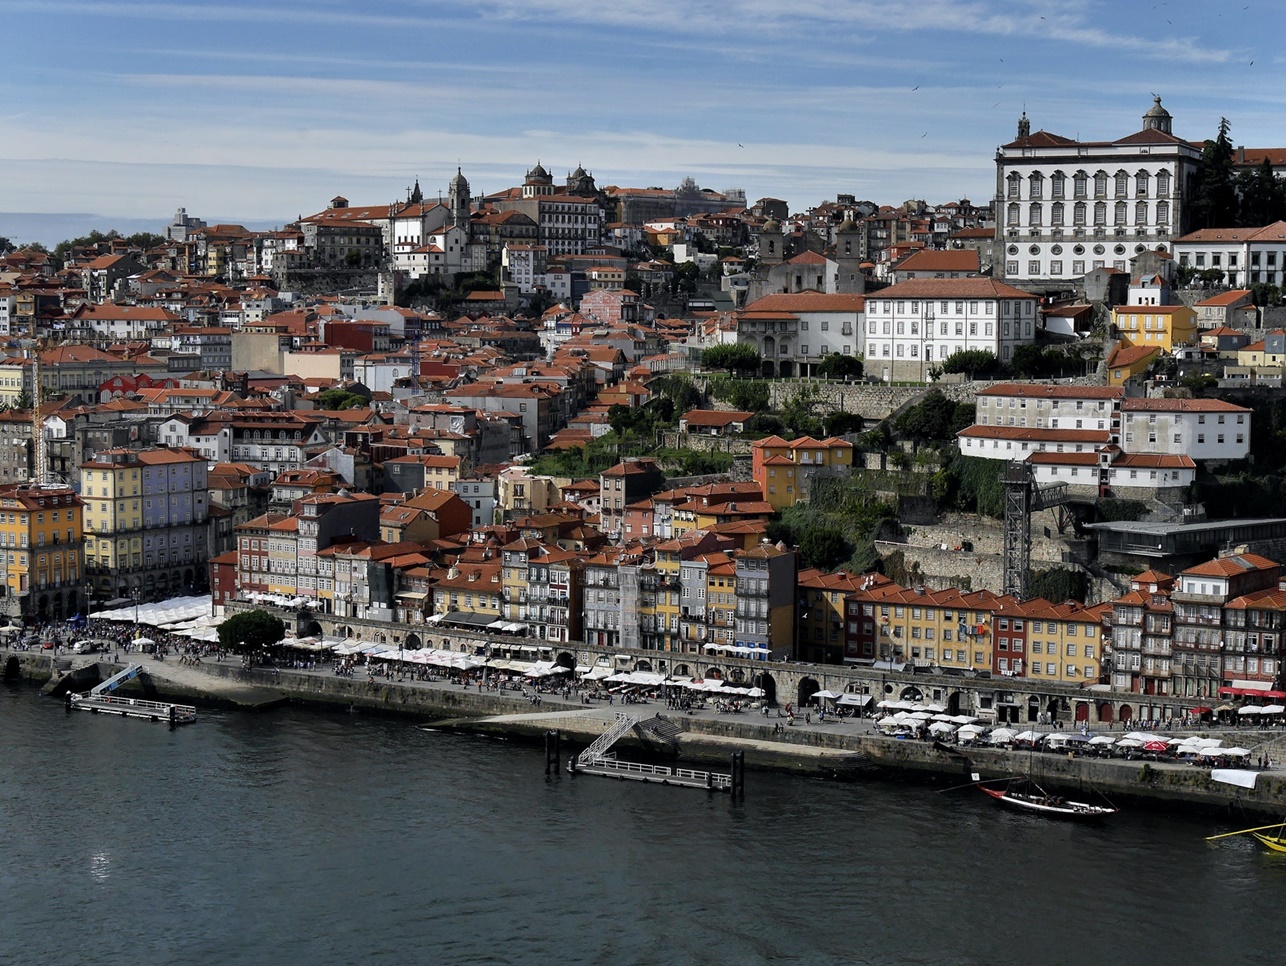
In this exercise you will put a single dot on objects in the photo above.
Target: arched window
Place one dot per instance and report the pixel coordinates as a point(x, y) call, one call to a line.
point(1078, 213)
point(1100, 184)
point(1100, 213)
point(1141, 213)
point(1081, 184)
point(1035, 213)
point(1163, 214)
point(1036, 185)
point(1163, 183)
point(1141, 184)
point(1056, 214)
point(1122, 184)
point(1118, 213)
point(1015, 182)
point(1011, 214)
point(1056, 184)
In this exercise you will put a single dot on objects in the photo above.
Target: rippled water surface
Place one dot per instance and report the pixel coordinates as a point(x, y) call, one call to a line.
point(299, 837)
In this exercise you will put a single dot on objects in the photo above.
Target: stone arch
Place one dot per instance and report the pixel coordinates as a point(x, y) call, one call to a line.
point(953, 702)
point(766, 368)
point(911, 693)
point(162, 583)
point(12, 670)
point(566, 659)
point(736, 675)
point(189, 578)
point(1105, 712)
point(379, 638)
point(766, 683)
point(1127, 714)
point(1053, 708)
point(1033, 708)
point(682, 670)
point(643, 665)
point(785, 369)
point(715, 673)
point(1082, 712)
point(807, 688)
point(770, 348)
point(413, 642)
point(345, 631)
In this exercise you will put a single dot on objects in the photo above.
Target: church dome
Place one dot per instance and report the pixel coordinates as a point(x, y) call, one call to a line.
point(772, 224)
point(538, 173)
point(847, 224)
point(459, 181)
point(580, 172)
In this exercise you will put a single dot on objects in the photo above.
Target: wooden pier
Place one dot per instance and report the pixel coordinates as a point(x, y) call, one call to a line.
point(100, 700)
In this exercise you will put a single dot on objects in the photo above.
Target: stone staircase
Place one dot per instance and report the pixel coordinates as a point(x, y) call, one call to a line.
point(661, 731)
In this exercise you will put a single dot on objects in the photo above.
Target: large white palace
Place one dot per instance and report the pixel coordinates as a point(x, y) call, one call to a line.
point(1066, 207)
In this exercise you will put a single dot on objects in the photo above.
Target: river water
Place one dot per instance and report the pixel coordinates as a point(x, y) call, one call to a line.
point(301, 837)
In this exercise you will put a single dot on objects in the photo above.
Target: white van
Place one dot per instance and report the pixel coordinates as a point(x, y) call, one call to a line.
point(84, 647)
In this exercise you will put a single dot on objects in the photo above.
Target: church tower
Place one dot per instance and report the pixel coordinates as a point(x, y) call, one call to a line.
point(771, 244)
point(1024, 126)
point(458, 201)
point(848, 258)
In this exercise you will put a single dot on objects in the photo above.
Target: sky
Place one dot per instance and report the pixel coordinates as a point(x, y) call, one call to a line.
point(261, 112)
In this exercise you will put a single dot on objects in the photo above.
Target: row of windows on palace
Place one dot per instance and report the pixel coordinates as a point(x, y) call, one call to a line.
point(1056, 266)
point(1080, 184)
point(1058, 214)
point(1198, 259)
point(945, 307)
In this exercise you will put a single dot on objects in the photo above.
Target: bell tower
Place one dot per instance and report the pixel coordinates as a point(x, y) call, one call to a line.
point(458, 200)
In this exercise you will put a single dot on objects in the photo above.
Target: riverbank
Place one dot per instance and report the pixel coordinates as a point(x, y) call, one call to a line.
point(844, 748)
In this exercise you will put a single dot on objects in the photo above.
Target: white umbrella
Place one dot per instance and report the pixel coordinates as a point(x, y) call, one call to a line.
point(1002, 734)
point(935, 708)
point(964, 719)
point(825, 695)
point(1028, 736)
point(969, 731)
point(1128, 742)
point(1102, 740)
point(941, 728)
point(1273, 709)
point(1230, 752)
point(1250, 709)
point(943, 717)
point(921, 715)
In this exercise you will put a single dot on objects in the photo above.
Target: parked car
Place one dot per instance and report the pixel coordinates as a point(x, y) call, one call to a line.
point(84, 647)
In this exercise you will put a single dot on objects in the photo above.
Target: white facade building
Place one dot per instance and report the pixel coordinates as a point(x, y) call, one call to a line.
point(1205, 429)
point(1244, 255)
point(1066, 207)
point(917, 324)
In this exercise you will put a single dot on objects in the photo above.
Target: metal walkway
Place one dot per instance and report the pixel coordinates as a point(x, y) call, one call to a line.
point(597, 751)
point(116, 680)
point(100, 700)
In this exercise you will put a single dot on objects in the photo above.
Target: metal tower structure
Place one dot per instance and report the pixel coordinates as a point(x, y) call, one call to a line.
point(1023, 498)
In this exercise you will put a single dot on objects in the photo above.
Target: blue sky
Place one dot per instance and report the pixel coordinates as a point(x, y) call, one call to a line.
point(263, 111)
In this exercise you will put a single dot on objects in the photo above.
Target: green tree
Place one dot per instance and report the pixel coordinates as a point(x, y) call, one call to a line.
point(1265, 294)
point(6, 245)
point(739, 357)
point(1263, 196)
point(1214, 200)
point(824, 547)
point(836, 365)
point(251, 631)
point(1059, 584)
point(335, 399)
point(973, 362)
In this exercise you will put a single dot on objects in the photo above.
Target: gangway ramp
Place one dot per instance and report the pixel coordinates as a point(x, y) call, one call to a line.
point(130, 672)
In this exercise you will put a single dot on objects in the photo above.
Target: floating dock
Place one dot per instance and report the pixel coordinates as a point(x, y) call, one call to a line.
point(598, 759)
point(100, 700)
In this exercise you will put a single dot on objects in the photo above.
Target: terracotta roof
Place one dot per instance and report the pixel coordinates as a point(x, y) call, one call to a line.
point(1022, 391)
point(1138, 405)
point(971, 287)
point(1034, 435)
point(1231, 566)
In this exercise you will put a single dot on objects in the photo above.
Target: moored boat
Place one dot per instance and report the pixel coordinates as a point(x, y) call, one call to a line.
point(1025, 794)
point(1275, 842)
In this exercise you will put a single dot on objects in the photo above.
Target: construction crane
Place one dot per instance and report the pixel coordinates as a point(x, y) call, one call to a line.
point(1023, 498)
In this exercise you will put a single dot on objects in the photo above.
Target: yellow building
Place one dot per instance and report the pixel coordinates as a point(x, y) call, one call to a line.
point(1163, 326)
point(16, 381)
point(1263, 354)
point(41, 542)
point(1063, 642)
point(283, 557)
point(1128, 361)
point(782, 467)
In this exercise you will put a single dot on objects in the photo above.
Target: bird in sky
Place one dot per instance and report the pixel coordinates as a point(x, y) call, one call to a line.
point(916, 87)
